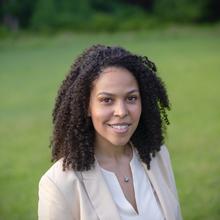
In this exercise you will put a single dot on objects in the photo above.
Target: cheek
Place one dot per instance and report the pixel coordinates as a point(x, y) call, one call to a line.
point(100, 115)
point(136, 112)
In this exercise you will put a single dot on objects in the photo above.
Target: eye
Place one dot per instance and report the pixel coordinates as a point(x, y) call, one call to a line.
point(132, 99)
point(106, 100)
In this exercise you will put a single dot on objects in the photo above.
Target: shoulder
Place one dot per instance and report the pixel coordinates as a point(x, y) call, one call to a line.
point(58, 191)
point(162, 163)
point(62, 181)
point(56, 172)
point(162, 160)
point(163, 154)
point(162, 157)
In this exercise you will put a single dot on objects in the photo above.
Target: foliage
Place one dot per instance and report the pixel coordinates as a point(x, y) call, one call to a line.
point(103, 15)
point(181, 10)
point(21, 10)
point(94, 15)
point(65, 14)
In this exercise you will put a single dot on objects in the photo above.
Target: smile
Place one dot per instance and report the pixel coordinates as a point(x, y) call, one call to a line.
point(120, 128)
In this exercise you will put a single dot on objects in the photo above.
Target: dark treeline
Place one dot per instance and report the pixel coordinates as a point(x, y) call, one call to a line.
point(103, 15)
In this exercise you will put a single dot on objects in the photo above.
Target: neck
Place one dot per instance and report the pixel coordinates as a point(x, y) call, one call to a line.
point(108, 152)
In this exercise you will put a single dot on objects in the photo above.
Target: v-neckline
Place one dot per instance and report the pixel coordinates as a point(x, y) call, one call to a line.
point(120, 188)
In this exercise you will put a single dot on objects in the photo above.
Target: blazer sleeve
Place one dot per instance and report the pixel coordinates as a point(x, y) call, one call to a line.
point(52, 204)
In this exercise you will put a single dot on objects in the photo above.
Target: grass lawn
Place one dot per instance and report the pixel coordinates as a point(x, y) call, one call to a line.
point(32, 68)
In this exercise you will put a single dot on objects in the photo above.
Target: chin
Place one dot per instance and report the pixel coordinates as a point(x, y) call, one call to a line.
point(119, 142)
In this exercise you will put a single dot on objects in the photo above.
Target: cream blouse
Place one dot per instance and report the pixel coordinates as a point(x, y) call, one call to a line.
point(147, 205)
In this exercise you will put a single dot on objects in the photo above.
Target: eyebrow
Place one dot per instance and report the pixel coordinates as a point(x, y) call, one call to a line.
point(111, 94)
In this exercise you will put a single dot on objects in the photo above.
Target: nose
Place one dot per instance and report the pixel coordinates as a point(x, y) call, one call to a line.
point(121, 110)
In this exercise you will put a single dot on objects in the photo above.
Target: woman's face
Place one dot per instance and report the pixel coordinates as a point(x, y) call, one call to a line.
point(115, 106)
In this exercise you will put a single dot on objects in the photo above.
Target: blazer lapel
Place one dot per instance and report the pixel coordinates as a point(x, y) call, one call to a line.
point(99, 194)
point(163, 193)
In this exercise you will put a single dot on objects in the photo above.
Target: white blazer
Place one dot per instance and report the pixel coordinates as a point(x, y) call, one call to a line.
point(74, 195)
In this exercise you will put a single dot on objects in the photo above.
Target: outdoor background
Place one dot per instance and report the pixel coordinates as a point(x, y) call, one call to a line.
point(40, 39)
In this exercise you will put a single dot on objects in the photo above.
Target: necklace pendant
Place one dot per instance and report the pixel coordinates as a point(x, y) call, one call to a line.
point(126, 179)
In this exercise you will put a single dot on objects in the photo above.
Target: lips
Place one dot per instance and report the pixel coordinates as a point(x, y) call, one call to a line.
point(120, 127)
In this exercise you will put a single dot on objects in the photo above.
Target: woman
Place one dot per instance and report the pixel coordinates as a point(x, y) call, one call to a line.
point(109, 123)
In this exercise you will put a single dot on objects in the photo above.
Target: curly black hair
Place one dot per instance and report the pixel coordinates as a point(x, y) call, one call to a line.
point(73, 132)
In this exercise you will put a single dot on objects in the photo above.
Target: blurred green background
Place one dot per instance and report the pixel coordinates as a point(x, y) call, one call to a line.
point(39, 40)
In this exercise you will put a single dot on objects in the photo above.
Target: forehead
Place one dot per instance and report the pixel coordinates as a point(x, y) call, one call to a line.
point(114, 79)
